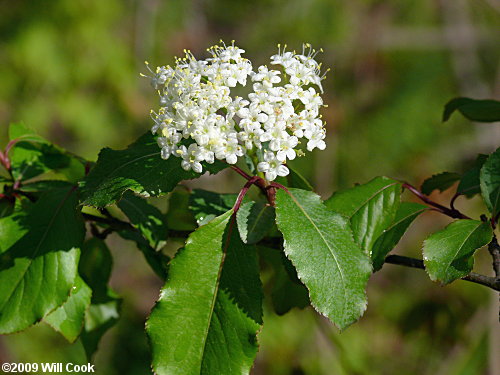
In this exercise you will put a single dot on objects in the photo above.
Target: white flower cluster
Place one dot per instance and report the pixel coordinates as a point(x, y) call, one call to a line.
point(267, 126)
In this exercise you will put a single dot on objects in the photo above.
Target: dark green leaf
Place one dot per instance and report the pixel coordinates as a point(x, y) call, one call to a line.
point(295, 180)
point(179, 217)
point(254, 219)
point(39, 256)
point(474, 110)
point(209, 311)
point(448, 254)
point(441, 182)
point(148, 220)
point(407, 212)
point(68, 319)
point(95, 267)
point(469, 183)
point(156, 259)
point(490, 183)
point(329, 262)
point(370, 208)
point(38, 188)
point(99, 318)
point(206, 205)
point(138, 168)
point(6, 207)
point(288, 291)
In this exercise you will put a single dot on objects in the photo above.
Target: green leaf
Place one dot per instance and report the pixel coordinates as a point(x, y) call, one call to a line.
point(68, 319)
point(469, 183)
point(6, 207)
point(441, 182)
point(38, 188)
point(148, 219)
point(288, 291)
point(209, 311)
point(179, 217)
point(156, 259)
point(295, 180)
point(206, 205)
point(407, 212)
point(95, 267)
point(32, 155)
point(138, 168)
point(474, 110)
point(490, 183)
point(254, 219)
point(448, 254)
point(39, 257)
point(100, 317)
point(370, 208)
point(329, 262)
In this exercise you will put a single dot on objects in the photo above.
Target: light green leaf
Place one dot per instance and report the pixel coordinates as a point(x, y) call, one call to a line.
point(254, 219)
point(329, 262)
point(68, 319)
point(441, 182)
point(209, 311)
point(370, 208)
point(39, 257)
point(469, 183)
point(448, 254)
point(407, 212)
point(138, 168)
point(473, 109)
point(490, 183)
point(148, 220)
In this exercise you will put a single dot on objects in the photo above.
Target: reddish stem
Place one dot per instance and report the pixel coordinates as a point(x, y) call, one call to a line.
point(241, 172)
point(451, 212)
point(243, 192)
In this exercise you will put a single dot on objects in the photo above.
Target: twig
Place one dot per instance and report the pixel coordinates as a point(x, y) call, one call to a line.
point(494, 249)
point(440, 208)
point(490, 282)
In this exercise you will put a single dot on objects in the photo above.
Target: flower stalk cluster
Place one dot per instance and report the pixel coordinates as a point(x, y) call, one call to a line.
point(200, 121)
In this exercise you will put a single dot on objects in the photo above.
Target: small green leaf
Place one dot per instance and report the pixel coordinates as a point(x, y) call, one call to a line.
point(407, 212)
point(95, 267)
point(100, 317)
point(329, 262)
point(441, 182)
point(138, 168)
point(209, 311)
point(179, 217)
point(448, 254)
point(148, 220)
point(295, 180)
point(288, 291)
point(38, 261)
point(156, 259)
point(370, 208)
point(254, 219)
point(206, 205)
point(490, 183)
point(6, 207)
point(469, 183)
point(474, 110)
point(68, 319)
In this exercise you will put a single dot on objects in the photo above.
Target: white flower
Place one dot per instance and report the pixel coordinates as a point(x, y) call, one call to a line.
point(197, 108)
point(272, 167)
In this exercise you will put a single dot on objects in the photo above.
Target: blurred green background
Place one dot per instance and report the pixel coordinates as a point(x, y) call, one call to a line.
point(70, 69)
